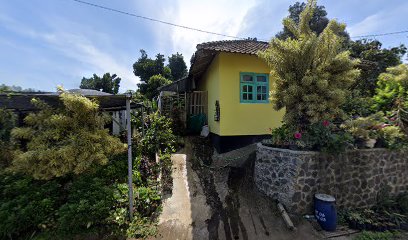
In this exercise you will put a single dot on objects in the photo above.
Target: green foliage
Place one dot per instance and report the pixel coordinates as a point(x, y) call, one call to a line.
point(149, 70)
point(317, 24)
point(62, 208)
point(311, 73)
point(357, 105)
point(13, 88)
point(371, 51)
point(387, 235)
point(365, 128)
point(402, 201)
point(145, 67)
point(156, 81)
point(62, 141)
point(159, 137)
point(394, 138)
point(323, 136)
point(106, 83)
point(7, 123)
point(26, 205)
point(281, 136)
point(141, 227)
point(376, 127)
point(177, 66)
point(89, 201)
point(392, 91)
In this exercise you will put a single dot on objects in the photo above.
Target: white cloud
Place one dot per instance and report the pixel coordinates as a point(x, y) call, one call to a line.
point(214, 15)
point(80, 48)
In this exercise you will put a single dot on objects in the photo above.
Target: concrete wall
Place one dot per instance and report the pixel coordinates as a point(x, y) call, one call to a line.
point(354, 178)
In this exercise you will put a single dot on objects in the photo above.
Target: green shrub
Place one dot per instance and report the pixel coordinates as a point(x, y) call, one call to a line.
point(71, 139)
point(89, 202)
point(27, 206)
point(158, 136)
point(365, 128)
point(365, 235)
point(7, 123)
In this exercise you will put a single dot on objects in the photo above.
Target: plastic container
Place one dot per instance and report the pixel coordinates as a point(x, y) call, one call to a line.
point(325, 211)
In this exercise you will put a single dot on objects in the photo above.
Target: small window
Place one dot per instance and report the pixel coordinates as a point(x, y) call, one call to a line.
point(247, 78)
point(254, 87)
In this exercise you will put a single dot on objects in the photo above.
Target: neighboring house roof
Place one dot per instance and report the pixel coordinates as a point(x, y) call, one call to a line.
point(88, 92)
point(21, 101)
point(176, 86)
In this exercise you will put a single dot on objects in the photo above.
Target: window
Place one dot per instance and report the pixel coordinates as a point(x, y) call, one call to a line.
point(254, 87)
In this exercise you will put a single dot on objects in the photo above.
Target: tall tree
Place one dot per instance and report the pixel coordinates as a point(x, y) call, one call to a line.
point(375, 61)
point(107, 83)
point(317, 23)
point(177, 66)
point(311, 72)
point(152, 73)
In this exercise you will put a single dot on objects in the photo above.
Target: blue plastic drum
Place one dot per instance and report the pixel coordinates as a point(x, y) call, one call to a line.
point(325, 211)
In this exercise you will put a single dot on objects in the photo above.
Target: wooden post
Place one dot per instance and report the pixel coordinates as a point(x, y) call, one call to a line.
point(130, 160)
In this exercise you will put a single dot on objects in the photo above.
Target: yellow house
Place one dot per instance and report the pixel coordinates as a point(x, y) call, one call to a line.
point(237, 86)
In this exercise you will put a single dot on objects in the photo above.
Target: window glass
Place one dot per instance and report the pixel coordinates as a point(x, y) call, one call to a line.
point(247, 78)
point(254, 88)
point(261, 78)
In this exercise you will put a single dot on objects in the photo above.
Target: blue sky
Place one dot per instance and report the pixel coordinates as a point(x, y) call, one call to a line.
point(45, 43)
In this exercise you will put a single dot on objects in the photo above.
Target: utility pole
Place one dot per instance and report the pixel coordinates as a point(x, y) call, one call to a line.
point(130, 160)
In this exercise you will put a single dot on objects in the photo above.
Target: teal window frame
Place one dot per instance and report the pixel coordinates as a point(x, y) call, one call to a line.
point(254, 84)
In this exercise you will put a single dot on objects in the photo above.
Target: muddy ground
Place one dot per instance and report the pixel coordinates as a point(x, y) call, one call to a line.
point(217, 199)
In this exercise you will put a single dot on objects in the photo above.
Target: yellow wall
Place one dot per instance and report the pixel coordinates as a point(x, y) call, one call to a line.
point(222, 81)
point(210, 83)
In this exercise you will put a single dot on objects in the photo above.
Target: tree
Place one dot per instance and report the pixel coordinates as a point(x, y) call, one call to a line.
point(7, 122)
point(153, 73)
point(13, 88)
point(371, 51)
point(145, 67)
point(150, 89)
point(317, 23)
point(310, 72)
point(108, 83)
point(392, 95)
point(177, 66)
point(71, 139)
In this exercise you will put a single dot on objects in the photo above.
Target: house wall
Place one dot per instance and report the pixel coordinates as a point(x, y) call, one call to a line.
point(354, 178)
point(237, 118)
point(211, 83)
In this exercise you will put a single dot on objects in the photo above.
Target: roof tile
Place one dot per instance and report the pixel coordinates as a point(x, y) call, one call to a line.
point(234, 46)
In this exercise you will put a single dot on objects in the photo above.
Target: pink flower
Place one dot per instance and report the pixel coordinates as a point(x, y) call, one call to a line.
point(385, 125)
point(326, 123)
point(297, 135)
point(392, 119)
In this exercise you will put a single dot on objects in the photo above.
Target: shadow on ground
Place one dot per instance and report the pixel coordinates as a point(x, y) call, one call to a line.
point(220, 201)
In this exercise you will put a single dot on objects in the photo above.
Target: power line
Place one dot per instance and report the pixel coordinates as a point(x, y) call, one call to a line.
point(380, 34)
point(205, 31)
point(155, 20)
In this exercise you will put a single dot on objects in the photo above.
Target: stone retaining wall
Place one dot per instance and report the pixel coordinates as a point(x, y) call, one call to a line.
point(354, 178)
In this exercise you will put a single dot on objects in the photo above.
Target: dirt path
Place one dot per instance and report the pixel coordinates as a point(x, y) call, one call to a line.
point(220, 203)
